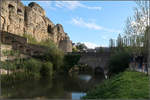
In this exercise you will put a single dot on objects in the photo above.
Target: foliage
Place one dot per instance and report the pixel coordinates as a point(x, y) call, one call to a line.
point(81, 46)
point(55, 56)
point(138, 23)
point(10, 53)
point(30, 39)
point(26, 70)
point(119, 61)
point(47, 43)
point(101, 50)
point(18, 77)
point(46, 70)
point(74, 49)
point(136, 26)
point(32, 65)
point(8, 65)
point(126, 85)
point(70, 61)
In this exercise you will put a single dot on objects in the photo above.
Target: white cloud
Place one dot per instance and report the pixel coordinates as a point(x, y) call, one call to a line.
point(65, 4)
point(74, 4)
point(46, 4)
point(80, 22)
point(111, 30)
point(92, 25)
point(90, 45)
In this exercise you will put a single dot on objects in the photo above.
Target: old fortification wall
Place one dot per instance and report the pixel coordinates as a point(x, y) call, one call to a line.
point(20, 43)
point(19, 19)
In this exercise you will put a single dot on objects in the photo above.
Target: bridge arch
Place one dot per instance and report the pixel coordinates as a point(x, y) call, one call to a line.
point(98, 70)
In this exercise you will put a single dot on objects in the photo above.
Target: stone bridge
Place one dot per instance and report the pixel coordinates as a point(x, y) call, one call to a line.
point(97, 61)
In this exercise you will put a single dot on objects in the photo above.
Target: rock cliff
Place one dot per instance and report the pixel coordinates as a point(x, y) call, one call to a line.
point(19, 19)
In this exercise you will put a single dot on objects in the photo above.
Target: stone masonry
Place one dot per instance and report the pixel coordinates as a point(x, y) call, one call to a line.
point(19, 19)
point(20, 44)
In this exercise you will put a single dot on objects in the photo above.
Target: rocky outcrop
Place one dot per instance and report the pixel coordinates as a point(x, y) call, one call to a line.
point(19, 19)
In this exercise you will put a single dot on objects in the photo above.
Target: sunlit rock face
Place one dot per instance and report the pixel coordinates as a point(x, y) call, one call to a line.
point(19, 19)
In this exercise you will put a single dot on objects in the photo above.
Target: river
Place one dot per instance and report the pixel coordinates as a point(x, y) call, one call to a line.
point(61, 87)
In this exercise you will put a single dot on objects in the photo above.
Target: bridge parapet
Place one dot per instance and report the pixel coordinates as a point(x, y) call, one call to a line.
point(94, 60)
point(89, 53)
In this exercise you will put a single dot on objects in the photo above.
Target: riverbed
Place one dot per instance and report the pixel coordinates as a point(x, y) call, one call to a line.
point(61, 87)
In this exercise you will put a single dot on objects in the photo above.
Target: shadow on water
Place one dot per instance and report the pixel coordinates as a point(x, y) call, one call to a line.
point(62, 86)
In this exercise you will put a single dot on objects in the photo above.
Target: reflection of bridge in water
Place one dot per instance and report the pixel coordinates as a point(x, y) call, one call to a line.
point(97, 61)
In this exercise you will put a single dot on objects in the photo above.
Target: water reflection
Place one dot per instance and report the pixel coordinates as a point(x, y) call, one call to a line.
point(77, 95)
point(85, 77)
point(61, 86)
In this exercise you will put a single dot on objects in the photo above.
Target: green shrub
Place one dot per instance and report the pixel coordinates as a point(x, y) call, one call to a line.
point(70, 61)
point(30, 38)
point(46, 70)
point(18, 77)
point(8, 65)
point(32, 65)
point(55, 56)
point(48, 43)
point(119, 61)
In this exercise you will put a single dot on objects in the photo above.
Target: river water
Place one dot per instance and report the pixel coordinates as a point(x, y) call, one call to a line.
point(61, 87)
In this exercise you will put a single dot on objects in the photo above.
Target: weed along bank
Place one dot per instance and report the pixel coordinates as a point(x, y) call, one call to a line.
point(39, 60)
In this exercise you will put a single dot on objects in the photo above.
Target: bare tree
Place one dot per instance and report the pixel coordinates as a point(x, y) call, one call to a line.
point(136, 26)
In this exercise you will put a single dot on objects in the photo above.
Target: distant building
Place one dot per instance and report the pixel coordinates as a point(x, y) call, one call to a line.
point(90, 50)
point(101, 49)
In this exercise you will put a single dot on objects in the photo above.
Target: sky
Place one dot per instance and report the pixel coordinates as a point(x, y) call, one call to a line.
point(90, 22)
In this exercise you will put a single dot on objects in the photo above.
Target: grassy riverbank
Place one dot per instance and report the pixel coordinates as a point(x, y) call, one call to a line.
point(126, 85)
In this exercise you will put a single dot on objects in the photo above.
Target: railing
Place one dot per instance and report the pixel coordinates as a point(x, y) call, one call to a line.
point(135, 66)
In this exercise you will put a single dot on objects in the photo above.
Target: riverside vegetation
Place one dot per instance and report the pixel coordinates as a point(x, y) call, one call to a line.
point(125, 85)
point(122, 83)
point(44, 66)
point(41, 67)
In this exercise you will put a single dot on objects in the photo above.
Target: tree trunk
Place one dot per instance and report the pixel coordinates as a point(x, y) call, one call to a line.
point(148, 59)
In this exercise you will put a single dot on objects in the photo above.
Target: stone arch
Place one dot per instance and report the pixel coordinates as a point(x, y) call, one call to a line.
point(19, 11)
point(58, 28)
point(99, 71)
point(28, 51)
point(49, 28)
point(11, 7)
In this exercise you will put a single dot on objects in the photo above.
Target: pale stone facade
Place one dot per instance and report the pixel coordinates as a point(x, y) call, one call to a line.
point(19, 19)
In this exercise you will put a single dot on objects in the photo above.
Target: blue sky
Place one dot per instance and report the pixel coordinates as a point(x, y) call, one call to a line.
point(89, 22)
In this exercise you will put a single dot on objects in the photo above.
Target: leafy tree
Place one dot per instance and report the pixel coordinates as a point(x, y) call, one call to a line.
point(136, 26)
point(81, 46)
point(119, 61)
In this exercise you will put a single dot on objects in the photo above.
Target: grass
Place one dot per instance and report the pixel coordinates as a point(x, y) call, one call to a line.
point(47, 43)
point(126, 85)
point(29, 69)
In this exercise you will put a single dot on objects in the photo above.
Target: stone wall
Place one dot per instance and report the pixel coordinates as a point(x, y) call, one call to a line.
point(94, 60)
point(19, 19)
point(65, 45)
point(20, 43)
